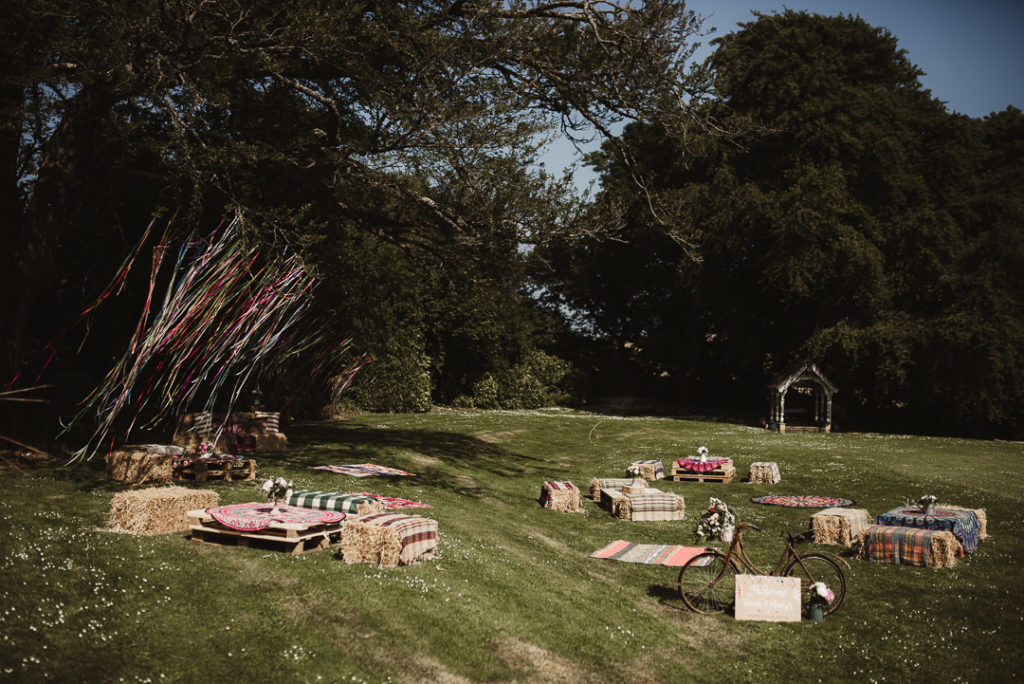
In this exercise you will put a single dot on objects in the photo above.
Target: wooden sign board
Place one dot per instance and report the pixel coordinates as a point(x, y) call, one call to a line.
point(767, 598)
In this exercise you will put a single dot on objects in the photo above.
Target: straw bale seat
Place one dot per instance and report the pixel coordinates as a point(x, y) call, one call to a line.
point(157, 510)
point(143, 463)
point(598, 484)
point(652, 505)
point(839, 526)
point(388, 539)
point(909, 546)
point(764, 472)
point(982, 518)
point(561, 496)
point(651, 470)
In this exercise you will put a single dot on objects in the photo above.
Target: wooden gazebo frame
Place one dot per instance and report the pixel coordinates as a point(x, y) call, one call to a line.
point(805, 377)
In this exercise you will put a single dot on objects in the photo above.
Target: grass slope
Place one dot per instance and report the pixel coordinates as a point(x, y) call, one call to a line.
point(512, 595)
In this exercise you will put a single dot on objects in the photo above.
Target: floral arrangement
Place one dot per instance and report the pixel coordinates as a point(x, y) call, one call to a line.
point(702, 453)
point(634, 471)
point(820, 593)
point(927, 500)
point(277, 488)
point(205, 449)
point(715, 520)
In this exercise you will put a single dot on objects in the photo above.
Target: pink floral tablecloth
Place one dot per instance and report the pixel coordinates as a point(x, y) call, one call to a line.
point(253, 517)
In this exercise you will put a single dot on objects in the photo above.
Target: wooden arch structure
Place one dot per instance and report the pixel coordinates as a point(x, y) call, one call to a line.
point(812, 409)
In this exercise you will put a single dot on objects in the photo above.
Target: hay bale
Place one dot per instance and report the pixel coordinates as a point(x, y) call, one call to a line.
point(157, 510)
point(839, 526)
point(611, 497)
point(764, 472)
point(650, 470)
point(651, 506)
point(982, 518)
point(596, 485)
point(388, 539)
point(561, 496)
point(945, 549)
point(143, 463)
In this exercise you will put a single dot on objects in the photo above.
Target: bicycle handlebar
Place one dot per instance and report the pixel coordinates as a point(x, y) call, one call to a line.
point(750, 525)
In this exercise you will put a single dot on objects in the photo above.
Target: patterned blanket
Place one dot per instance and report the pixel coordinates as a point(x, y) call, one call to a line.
point(963, 524)
point(363, 470)
point(801, 501)
point(253, 517)
point(650, 506)
point(391, 502)
point(418, 534)
point(904, 545)
point(648, 554)
point(329, 501)
point(696, 465)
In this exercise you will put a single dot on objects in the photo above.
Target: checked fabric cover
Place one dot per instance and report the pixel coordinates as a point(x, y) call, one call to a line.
point(418, 534)
point(651, 469)
point(328, 501)
point(899, 545)
point(653, 506)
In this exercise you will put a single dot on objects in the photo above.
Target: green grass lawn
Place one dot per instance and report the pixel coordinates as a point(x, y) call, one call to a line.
point(512, 594)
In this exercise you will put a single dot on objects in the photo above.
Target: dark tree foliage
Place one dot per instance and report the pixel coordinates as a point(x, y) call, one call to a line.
point(866, 226)
point(408, 124)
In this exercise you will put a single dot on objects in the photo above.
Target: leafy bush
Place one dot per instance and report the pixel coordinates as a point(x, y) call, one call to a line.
point(397, 380)
point(539, 380)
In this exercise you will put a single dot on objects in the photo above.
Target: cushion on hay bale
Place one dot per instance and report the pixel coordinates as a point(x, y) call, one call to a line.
point(596, 485)
point(651, 470)
point(356, 504)
point(910, 546)
point(651, 505)
point(982, 518)
point(388, 539)
point(142, 463)
point(561, 496)
point(765, 472)
point(841, 526)
point(157, 510)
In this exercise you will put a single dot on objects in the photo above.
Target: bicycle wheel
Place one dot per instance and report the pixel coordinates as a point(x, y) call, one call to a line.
point(708, 583)
point(811, 568)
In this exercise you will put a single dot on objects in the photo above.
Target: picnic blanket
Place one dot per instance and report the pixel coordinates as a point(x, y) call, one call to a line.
point(963, 524)
point(910, 546)
point(651, 469)
point(648, 554)
point(253, 517)
point(417, 535)
point(801, 501)
point(334, 501)
point(696, 465)
point(363, 470)
point(392, 502)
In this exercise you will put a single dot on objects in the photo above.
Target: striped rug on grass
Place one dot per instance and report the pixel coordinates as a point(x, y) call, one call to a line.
point(648, 554)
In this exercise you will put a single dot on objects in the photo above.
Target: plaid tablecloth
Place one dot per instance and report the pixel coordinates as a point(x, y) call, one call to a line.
point(963, 524)
point(649, 506)
point(899, 545)
point(328, 501)
point(697, 466)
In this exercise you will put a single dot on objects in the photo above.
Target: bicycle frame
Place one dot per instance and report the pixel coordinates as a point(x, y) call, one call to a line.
point(736, 552)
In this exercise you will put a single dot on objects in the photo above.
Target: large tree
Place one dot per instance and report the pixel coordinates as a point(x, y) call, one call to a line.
point(857, 226)
point(403, 120)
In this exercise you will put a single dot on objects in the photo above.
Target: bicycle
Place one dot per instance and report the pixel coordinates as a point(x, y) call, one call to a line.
point(707, 582)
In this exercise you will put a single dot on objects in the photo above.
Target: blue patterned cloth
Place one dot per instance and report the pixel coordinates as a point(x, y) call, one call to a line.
point(963, 524)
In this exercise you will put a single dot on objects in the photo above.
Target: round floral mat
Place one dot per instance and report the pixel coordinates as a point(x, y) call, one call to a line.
point(252, 517)
point(801, 501)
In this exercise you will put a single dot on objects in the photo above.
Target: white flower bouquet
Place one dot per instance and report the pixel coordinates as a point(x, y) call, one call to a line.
point(716, 522)
point(821, 593)
point(702, 453)
point(277, 489)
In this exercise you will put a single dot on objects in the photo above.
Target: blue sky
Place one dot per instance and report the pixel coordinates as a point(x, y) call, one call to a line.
point(971, 51)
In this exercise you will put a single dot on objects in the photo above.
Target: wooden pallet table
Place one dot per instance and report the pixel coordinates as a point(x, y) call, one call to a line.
point(201, 471)
point(723, 473)
point(291, 537)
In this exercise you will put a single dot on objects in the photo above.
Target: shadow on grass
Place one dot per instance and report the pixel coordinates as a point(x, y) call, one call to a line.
point(450, 456)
